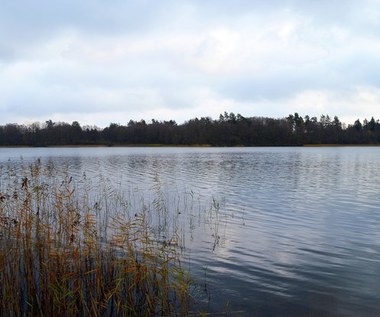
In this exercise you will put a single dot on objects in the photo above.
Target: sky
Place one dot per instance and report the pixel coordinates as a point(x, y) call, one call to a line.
point(97, 62)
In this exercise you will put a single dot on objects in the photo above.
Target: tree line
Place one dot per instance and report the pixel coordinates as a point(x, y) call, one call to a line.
point(228, 130)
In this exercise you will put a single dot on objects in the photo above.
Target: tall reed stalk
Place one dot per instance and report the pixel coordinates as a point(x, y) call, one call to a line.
point(64, 253)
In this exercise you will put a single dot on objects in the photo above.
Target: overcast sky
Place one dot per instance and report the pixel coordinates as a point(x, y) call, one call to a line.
point(98, 62)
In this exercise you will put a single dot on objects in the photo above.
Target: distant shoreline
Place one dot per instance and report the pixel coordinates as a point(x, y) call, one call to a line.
point(341, 145)
point(183, 146)
point(227, 131)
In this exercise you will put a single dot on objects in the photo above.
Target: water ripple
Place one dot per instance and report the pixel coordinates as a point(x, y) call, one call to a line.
point(295, 231)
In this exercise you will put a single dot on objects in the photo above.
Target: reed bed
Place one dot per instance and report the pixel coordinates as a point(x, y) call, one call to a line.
point(64, 253)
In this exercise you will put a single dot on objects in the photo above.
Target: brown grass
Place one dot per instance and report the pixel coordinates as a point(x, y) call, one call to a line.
point(64, 252)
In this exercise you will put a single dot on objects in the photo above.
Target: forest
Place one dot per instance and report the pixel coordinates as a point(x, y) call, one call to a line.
point(228, 130)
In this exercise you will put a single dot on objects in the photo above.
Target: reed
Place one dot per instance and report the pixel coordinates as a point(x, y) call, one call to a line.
point(69, 248)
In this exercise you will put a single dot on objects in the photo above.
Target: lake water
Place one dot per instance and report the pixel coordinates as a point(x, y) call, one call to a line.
point(269, 231)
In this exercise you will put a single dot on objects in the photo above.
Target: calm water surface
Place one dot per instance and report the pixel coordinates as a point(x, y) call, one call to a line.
point(295, 231)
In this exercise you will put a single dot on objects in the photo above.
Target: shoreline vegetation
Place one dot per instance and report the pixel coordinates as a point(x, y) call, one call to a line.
point(71, 248)
point(228, 130)
point(185, 146)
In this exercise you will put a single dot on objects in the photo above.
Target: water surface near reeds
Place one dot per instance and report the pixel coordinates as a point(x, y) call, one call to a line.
point(265, 231)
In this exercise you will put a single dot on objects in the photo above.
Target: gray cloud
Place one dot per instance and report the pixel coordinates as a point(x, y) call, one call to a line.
point(164, 59)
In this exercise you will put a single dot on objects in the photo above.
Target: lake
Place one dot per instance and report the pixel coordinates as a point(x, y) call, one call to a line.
point(290, 231)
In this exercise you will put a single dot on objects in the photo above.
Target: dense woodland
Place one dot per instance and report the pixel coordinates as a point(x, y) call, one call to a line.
point(228, 130)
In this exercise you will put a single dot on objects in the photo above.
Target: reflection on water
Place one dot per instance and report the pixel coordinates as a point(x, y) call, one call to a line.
point(297, 230)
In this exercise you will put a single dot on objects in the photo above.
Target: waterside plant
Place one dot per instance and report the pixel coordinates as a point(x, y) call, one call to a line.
point(63, 253)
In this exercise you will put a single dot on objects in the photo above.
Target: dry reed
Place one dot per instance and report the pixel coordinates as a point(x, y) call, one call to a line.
point(63, 253)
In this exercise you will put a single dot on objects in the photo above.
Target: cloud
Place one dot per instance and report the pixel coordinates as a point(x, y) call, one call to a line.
point(89, 60)
point(348, 105)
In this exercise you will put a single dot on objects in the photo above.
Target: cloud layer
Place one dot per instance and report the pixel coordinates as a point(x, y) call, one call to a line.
point(97, 62)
